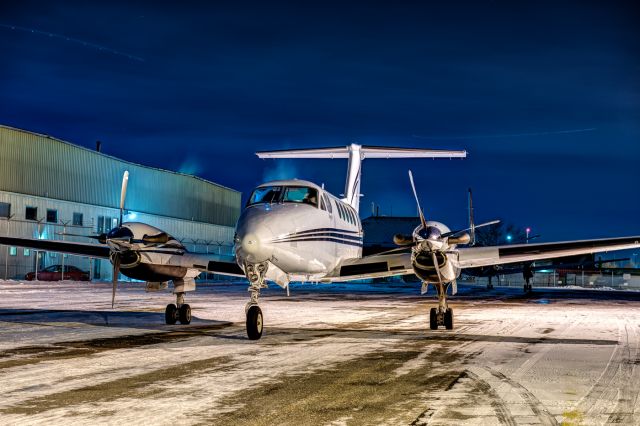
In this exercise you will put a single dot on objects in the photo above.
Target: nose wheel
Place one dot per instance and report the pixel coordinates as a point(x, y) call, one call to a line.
point(179, 312)
point(254, 322)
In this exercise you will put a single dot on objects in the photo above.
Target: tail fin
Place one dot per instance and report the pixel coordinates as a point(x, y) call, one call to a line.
point(356, 153)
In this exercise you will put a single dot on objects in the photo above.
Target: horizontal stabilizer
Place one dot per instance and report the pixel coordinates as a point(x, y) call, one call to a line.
point(365, 152)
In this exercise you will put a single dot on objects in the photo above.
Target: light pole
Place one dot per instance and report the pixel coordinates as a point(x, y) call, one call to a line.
point(528, 231)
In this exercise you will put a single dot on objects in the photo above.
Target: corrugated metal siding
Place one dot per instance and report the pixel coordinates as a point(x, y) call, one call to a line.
point(47, 167)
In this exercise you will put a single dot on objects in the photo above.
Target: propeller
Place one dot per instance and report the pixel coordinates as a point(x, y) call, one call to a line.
point(123, 194)
point(161, 238)
point(115, 259)
point(116, 271)
point(471, 228)
point(423, 221)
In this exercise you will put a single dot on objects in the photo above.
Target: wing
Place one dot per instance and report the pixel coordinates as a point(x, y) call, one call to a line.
point(222, 268)
point(81, 249)
point(485, 256)
point(375, 266)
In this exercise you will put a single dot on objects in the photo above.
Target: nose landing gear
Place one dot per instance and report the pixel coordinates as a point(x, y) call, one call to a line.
point(442, 315)
point(256, 275)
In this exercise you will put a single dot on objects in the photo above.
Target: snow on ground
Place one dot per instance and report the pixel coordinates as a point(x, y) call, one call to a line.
point(340, 354)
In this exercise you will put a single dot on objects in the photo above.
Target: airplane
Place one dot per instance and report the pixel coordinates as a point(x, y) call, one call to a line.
point(142, 252)
point(295, 230)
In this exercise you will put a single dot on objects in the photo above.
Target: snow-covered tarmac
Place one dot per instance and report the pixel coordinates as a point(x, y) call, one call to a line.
point(330, 355)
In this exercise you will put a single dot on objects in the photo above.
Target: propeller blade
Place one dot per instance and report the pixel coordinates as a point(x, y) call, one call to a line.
point(101, 238)
point(403, 240)
point(116, 271)
point(459, 231)
point(161, 238)
point(436, 266)
point(423, 221)
point(123, 193)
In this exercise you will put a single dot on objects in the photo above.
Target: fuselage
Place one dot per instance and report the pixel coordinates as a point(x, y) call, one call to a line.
point(298, 227)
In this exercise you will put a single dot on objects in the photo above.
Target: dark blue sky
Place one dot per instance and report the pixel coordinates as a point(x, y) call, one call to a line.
point(545, 96)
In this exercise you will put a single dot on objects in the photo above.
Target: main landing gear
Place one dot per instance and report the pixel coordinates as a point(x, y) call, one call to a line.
point(178, 312)
point(255, 274)
point(442, 315)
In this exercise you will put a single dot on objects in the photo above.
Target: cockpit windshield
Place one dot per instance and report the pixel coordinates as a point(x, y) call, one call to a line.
point(284, 194)
point(266, 194)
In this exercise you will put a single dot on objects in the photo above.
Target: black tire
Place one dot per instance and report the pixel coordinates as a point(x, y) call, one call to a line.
point(184, 314)
point(433, 319)
point(254, 322)
point(171, 314)
point(448, 319)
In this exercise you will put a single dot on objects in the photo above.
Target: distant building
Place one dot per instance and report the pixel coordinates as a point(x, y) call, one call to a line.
point(49, 187)
point(379, 232)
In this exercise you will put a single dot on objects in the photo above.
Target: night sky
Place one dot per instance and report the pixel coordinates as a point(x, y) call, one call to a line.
point(545, 96)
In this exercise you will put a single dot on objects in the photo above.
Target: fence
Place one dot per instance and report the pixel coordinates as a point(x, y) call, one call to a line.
point(584, 279)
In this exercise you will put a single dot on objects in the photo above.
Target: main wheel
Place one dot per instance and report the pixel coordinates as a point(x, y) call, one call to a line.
point(184, 314)
point(433, 319)
point(254, 322)
point(171, 314)
point(448, 319)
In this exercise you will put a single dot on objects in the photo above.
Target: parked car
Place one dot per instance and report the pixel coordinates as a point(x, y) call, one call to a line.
point(54, 273)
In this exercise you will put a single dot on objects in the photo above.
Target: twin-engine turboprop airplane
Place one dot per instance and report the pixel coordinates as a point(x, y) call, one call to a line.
point(295, 230)
point(143, 252)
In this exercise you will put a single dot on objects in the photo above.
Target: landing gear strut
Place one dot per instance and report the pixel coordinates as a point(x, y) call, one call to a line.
point(255, 274)
point(442, 315)
point(178, 312)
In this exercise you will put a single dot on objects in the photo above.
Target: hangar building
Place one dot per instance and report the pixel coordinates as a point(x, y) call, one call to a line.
point(50, 188)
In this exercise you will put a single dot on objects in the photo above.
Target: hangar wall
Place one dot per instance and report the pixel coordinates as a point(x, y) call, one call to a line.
point(50, 187)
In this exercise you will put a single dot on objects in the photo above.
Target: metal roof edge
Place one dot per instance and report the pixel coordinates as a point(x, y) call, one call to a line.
point(2, 126)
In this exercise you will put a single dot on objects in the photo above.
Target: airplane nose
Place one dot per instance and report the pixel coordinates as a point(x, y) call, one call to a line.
point(253, 242)
point(253, 249)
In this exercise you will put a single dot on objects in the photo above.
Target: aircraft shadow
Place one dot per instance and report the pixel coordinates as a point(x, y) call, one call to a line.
point(124, 319)
point(446, 337)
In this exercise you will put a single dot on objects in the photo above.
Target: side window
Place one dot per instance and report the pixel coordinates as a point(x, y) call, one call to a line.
point(352, 219)
point(327, 202)
point(77, 219)
point(340, 210)
point(323, 206)
point(5, 209)
point(31, 213)
point(52, 216)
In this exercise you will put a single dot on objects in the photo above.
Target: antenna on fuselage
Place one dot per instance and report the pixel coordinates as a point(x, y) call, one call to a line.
point(355, 154)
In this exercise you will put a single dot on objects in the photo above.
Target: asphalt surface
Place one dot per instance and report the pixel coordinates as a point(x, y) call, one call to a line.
point(359, 354)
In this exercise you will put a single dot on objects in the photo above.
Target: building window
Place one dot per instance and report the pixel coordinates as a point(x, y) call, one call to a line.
point(100, 228)
point(13, 251)
point(53, 254)
point(5, 210)
point(26, 252)
point(77, 219)
point(52, 216)
point(31, 213)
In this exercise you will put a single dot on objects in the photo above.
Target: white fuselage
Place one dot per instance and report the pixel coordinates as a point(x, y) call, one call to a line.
point(302, 241)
